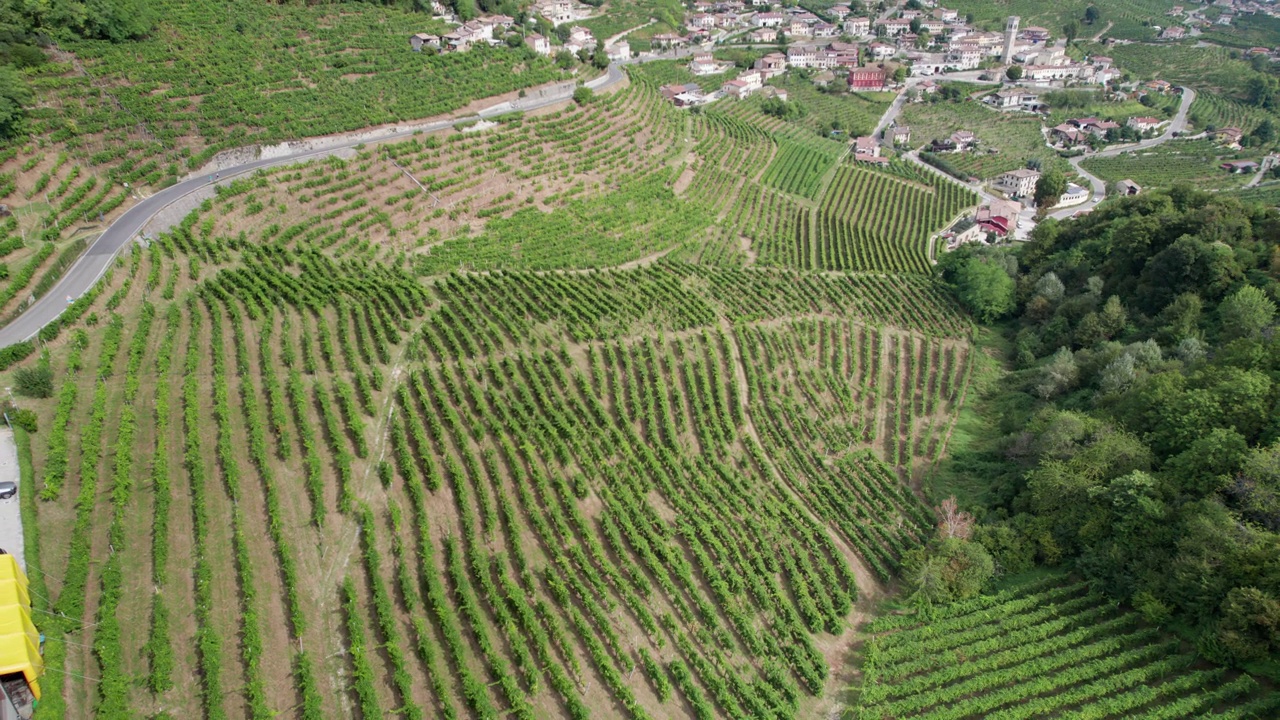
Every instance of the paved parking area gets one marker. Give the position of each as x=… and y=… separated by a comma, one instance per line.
x=10, y=515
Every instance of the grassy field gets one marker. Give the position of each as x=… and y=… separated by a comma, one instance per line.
x=1193, y=161
x=1015, y=138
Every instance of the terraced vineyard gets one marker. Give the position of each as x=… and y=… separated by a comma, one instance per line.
x=1220, y=112
x=798, y=169
x=1193, y=161
x=1043, y=647
x=855, y=230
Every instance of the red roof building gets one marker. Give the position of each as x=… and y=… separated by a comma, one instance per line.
x=867, y=79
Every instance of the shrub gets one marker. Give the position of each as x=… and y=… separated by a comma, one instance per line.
x=34, y=382
x=25, y=419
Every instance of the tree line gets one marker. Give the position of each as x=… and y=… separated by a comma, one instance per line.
x=1136, y=436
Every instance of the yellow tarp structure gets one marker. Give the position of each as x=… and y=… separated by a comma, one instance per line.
x=19, y=639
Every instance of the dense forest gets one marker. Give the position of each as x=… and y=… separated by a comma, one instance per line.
x=1136, y=438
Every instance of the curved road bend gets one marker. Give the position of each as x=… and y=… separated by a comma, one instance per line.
x=97, y=258
x=1177, y=125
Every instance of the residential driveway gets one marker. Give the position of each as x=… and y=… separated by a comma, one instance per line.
x=10, y=515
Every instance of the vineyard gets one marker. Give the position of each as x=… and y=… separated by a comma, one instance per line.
x=1192, y=161
x=554, y=489
x=1045, y=646
x=1006, y=141
x=854, y=228
x=1210, y=109
x=798, y=169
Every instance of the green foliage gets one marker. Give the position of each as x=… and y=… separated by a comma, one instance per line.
x=948, y=570
x=34, y=382
x=982, y=282
x=1049, y=188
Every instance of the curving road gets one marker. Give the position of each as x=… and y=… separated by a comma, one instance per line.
x=1176, y=126
x=98, y=257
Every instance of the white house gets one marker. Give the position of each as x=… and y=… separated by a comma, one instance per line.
x=1143, y=124
x=1074, y=195
x=769, y=20
x=618, y=51
x=965, y=56
x=1018, y=183
x=895, y=27
x=857, y=26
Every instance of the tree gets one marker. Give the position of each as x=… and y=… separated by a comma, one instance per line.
x=985, y=288
x=1245, y=313
x=900, y=73
x=915, y=25
x=1049, y=188
x=1092, y=14
x=952, y=521
x=583, y=95
x=1071, y=30
x=564, y=60
x=14, y=96
x=949, y=569
x=1014, y=73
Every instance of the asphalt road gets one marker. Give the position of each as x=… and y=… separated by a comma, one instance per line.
x=99, y=255
x=1176, y=126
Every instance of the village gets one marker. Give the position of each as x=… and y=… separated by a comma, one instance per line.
x=911, y=50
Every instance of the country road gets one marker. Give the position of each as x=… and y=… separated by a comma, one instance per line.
x=1176, y=126
x=98, y=257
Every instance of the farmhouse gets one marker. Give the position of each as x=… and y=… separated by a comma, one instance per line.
x=963, y=139
x=867, y=79
x=1173, y=33
x=683, y=95
x=1240, y=166
x=1012, y=99
x=772, y=64
x=882, y=51
x=1068, y=134
x=999, y=217
x=538, y=43
x=865, y=146
x=946, y=15
x=1229, y=136
x=421, y=40
x=900, y=135
x=762, y=35
x=966, y=230
x=618, y=51
x=1018, y=183
x=1128, y=187
x=1143, y=124
x=704, y=64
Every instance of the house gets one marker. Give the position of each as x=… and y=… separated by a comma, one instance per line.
x=1043, y=73
x=963, y=139
x=683, y=95
x=557, y=12
x=946, y=15
x=703, y=20
x=1074, y=195
x=770, y=91
x=846, y=54
x=1175, y=11
x=866, y=145
x=881, y=51
x=1101, y=61
x=421, y=40
x=769, y=20
x=799, y=28
x=946, y=145
x=823, y=79
x=538, y=43
x=1128, y=187
x=1012, y=99
x=581, y=36
x=1225, y=19
x=965, y=231
x=704, y=64
x=1259, y=51
x=499, y=21
x=668, y=40
x=1240, y=166
x=762, y=35
x=1018, y=183
x=900, y=135
x=825, y=30
x=736, y=88
x=927, y=87
x=1143, y=124
x=839, y=12
x=1068, y=134
x=1174, y=32
x=1034, y=34
x=753, y=78
x=857, y=26
x=934, y=27
x=1160, y=86
x=965, y=56
x=867, y=79
x=910, y=14
x=1229, y=136
x=619, y=51
x=772, y=64
x=894, y=27
x=999, y=216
